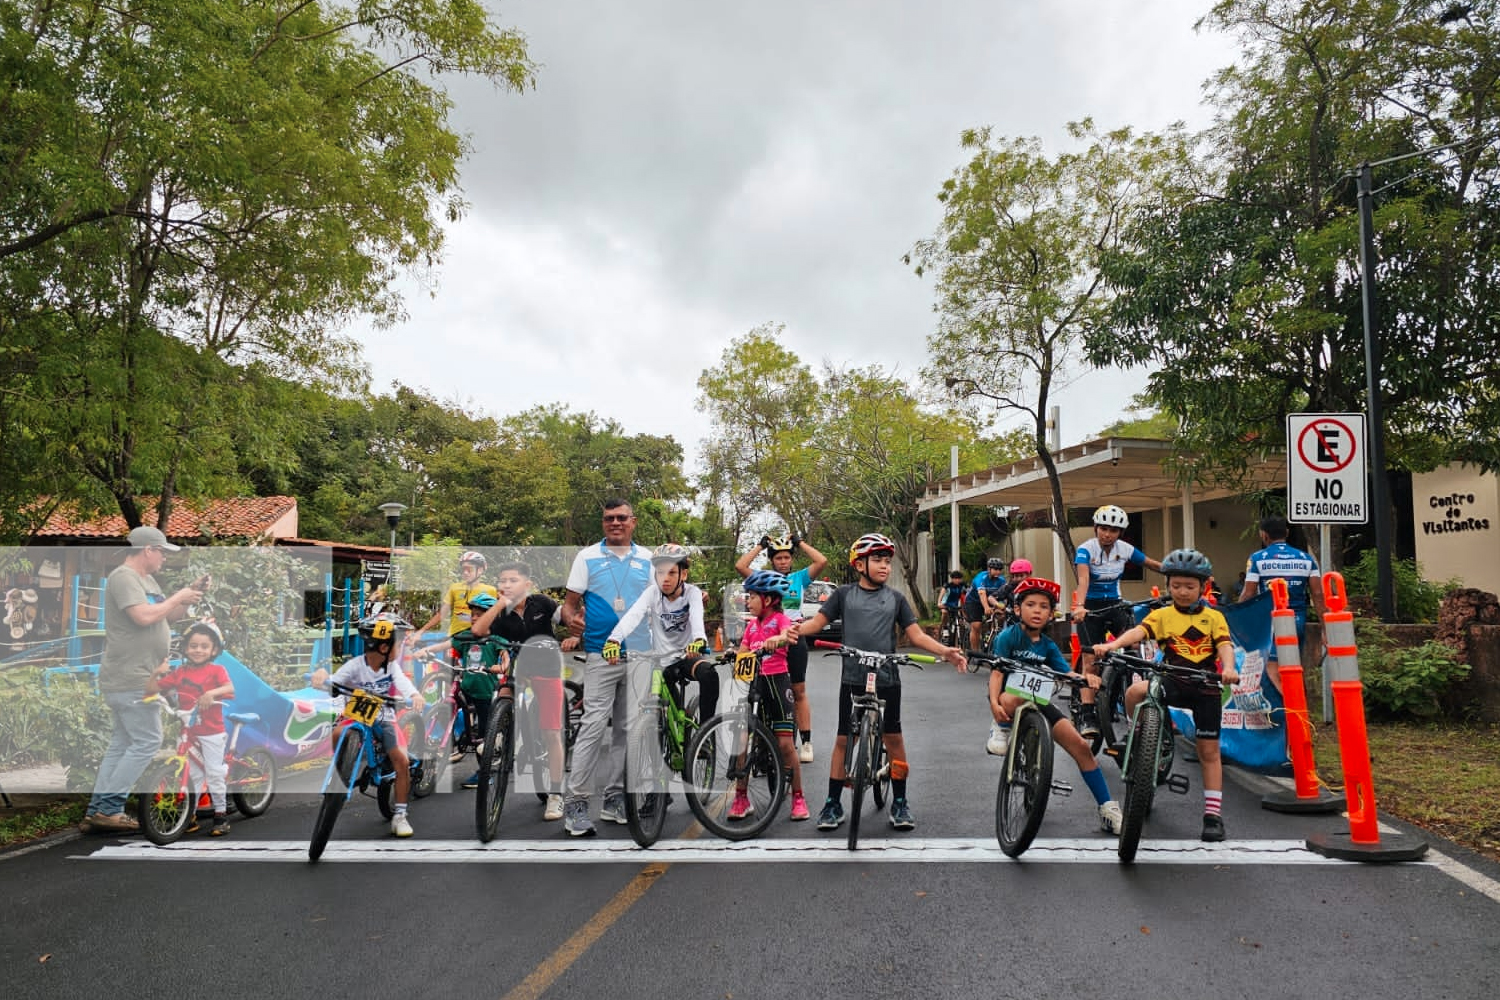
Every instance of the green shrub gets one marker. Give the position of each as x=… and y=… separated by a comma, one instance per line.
x=1417, y=600
x=1405, y=682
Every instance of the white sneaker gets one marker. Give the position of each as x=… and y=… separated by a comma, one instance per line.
x=806, y=753
x=554, y=808
x=999, y=739
x=1110, y=818
x=400, y=826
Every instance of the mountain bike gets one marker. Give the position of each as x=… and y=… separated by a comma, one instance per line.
x=1110, y=699
x=450, y=728
x=865, y=760
x=736, y=751
x=657, y=749
x=1026, y=770
x=955, y=627
x=171, y=801
x=1150, y=747
x=359, y=761
x=538, y=658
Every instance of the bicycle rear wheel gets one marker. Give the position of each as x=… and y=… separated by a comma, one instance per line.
x=343, y=772
x=1140, y=778
x=494, y=769
x=165, y=808
x=861, y=775
x=647, y=777
x=1025, y=784
x=729, y=753
x=252, y=780
x=429, y=740
x=1114, y=723
x=880, y=777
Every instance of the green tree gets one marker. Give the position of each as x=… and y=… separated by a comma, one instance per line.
x=193, y=187
x=1251, y=280
x=1017, y=258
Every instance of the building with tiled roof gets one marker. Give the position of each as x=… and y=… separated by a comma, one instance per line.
x=255, y=519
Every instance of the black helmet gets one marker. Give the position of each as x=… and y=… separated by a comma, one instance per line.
x=995, y=563
x=383, y=627
x=1187, y=562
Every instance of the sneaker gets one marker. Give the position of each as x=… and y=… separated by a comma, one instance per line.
x=456, y=757
x=1088, y=722
x=741, y=807
x=115, y=823
x=1110, y=817
x=576, y=819
x=805, y=754
x=192, y=826
x=400, y=825
x=220, y=827
x=901, y=815
x=472, y=781
x=554, y=808
x=799, y=805
x=999, y=739
x=614, y=808
x=832, y=816
x=1213, y=828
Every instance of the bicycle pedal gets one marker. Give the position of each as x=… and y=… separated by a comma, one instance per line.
x=1062, y=788
x=1178, y=783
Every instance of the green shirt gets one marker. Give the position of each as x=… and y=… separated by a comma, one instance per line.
x=131, y=651
x=481, y=687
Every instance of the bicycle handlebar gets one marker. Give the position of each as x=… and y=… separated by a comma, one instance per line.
x=1176, y=670
x=914, y=659
x=1034, y=666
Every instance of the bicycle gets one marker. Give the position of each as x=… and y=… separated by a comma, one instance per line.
x=736, y=750
x=170, y=803
x=866, y=745
x=359, y=760
x=1110, y=701
x=450, y=723
x=532, y=751
x=1026, y=770
x=657, y=749
x=1150, y=748
x=954, y=628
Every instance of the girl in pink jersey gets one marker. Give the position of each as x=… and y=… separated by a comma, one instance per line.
x=769, y=628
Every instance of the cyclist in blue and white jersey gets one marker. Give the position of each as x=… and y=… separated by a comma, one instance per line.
x=780, y=552
x=984, y=596
x=1280, y=561
x=1099, y=563
x=606, y=579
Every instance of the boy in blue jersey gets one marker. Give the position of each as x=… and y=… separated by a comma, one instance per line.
x=1280, y=561
x=953, y=596
x=606, y=579
x=983, y=597
x=1023, y=639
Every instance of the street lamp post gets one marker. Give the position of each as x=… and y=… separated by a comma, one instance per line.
x=392, y=512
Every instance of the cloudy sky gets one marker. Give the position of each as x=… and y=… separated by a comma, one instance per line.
x=685, y=171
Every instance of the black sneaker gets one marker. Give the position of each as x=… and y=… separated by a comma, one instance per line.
x=1088, y=722
x=832, y=815
x=1213, y=829
x=901, y=815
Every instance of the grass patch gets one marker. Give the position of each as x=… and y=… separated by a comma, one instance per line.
x=1443, y=777
x=29, y=819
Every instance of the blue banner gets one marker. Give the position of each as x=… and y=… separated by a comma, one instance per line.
x=1252, y=733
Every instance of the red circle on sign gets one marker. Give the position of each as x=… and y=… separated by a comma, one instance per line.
x=1311, y=460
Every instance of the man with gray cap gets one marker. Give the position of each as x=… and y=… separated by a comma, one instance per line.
x=136, y=642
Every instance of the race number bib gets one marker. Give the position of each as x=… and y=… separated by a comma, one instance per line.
x=744, y=667
x=1031, y=686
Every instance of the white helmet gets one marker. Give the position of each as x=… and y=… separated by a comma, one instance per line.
x=1110, y=516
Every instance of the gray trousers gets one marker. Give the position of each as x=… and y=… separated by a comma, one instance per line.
x=607, y=690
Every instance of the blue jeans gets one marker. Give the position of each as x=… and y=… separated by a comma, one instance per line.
x=132, y=745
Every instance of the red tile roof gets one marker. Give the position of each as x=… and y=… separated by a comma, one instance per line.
x=235, y=517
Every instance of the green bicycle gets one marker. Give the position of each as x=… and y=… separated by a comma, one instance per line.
x=657, y=750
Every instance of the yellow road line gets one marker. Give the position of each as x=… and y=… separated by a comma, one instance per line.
x=560, y=961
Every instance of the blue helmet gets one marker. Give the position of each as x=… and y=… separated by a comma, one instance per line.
x=767, y=581
x=481, y=602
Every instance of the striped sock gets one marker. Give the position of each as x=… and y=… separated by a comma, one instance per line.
x=1213, y=802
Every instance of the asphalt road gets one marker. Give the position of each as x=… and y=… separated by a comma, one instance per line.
x=938, y=911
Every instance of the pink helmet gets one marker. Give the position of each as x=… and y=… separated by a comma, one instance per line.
x=1020, y=567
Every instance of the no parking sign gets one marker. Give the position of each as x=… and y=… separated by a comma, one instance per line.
x=1325, y=482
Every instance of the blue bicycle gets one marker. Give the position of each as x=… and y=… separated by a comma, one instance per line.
x=359, y=761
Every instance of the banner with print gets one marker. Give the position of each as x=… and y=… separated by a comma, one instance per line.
x=1252, y=733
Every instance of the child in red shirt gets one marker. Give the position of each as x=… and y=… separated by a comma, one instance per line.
x=772, y=629
x=202, y=684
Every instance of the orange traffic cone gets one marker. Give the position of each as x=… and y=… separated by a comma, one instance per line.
x=719, y=639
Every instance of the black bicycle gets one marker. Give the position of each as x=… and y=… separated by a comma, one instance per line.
x=736, y=777
x=865, y=760
x=1150, y=746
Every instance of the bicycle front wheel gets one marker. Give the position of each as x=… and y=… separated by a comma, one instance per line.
x=734, y=755
x=494, y=769
x=861, y=774
x=1025, y=784
x=252, y=781
x=1140, y=777
x=647, y=777
x=429, y=741
x=880, y=780
x=343, y=772
x=1114, y=722
x=165, y=808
